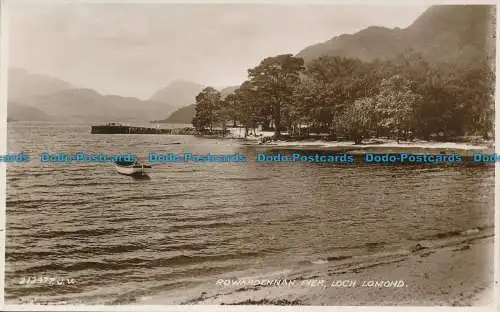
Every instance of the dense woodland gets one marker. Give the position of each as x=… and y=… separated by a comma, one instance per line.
x=403, y=98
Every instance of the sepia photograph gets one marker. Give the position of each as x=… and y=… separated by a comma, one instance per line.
x=278, y=154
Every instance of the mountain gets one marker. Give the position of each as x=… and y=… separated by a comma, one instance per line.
x=183, y=115
x=33, y=96
x=178, y=93
x=19, y=112
x=23, y=85
x=89, y=105
x=451, y=33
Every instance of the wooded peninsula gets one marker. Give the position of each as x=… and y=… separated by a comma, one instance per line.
x=403, y=98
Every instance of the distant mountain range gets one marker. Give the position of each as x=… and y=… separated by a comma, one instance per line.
x=39, y=97
x=443, y=33
x=23, y=86
x=43, y=98
x=89, y=105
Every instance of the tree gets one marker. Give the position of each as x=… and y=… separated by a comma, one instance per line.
x=476, y=106
x=275, y=79
x=208, y=104
x=395, y=106
x=229, y=106
x=248, y=104
x=407, y=97
x=357, y=119
x=338, y=81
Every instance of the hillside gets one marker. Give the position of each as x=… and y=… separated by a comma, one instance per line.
x=89, y=105
x=448, y=33
x=19, y=112
x=183, y=115
x=23, y=85
x=35, y=97
x=178, y=93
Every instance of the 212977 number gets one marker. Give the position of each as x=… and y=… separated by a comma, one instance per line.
x=31, y=280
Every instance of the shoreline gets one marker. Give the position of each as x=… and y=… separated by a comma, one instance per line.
x=455, y=271
x=387, y=144
x=432, y=148
x=374, y=143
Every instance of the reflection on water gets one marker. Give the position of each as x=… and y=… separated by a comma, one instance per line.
x=186, y=223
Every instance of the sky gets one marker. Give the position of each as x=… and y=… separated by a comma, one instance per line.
x=134, y=49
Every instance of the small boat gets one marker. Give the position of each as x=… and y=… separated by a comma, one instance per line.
x=132, y=168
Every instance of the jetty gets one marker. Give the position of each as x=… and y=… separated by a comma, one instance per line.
x=114, y=128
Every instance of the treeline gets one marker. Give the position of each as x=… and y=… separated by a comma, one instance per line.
x=404, y=98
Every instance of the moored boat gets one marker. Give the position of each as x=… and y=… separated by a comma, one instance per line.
x=132, y=168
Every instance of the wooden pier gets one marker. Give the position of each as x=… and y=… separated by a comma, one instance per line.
x=122, y=129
